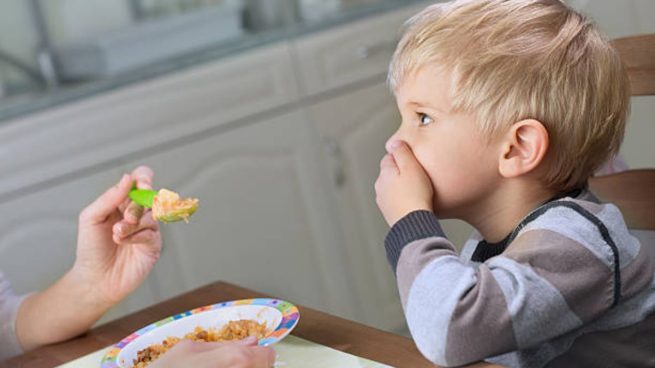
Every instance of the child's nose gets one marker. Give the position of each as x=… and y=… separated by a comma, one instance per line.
x=387, y=145
x=394, y=138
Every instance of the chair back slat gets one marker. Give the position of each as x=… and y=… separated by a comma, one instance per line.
x=633, y=191
x=638, y=54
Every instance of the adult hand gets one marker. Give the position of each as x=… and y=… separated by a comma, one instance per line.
x=118, y=242
x=117, y=246
x=403, y=185
x=240, y=354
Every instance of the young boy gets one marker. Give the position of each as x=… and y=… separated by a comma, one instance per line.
x=507, y=109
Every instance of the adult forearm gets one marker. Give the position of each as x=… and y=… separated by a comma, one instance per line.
x=66, y=309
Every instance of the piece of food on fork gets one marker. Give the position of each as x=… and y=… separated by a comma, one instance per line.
x=166, y=205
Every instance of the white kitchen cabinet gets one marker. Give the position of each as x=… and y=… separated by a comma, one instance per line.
x=354, y=128
x=104, y=129
x=263, y=220
x=38, y=231
x=353, y=52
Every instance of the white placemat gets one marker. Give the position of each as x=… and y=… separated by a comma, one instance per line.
x=292, y=352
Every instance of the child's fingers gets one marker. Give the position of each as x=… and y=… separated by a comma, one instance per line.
x=388, y=163
x=107, y=203
x=403, y=156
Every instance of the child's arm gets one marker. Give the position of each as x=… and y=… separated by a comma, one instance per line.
x=548, y=282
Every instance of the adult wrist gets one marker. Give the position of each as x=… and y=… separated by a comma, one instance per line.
x=84, y=287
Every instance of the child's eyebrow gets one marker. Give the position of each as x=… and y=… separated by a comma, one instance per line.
x=426, y=104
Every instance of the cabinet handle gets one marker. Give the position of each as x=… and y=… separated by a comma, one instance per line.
x=337, y=162
x=366, y=52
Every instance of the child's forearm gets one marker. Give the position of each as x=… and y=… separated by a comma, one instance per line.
x=66, y=309
x=456, y=313
x=431, y=280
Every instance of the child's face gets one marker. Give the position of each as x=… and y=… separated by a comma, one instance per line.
x=461, y=163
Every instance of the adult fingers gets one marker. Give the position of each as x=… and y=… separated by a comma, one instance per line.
x=133, y=213
x=250, y=341
x=147, y=236
x=243, y=357
x=125, y=228
x=107, y=204
x=142, y=176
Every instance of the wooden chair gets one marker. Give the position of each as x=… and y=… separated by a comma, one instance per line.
x=638, y=54
x=633, y=191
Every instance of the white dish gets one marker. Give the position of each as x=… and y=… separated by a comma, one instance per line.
x=280, y=318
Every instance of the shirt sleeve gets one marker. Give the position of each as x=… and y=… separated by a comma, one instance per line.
x=9, y=304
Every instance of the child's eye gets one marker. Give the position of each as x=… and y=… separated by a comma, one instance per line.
x=424, y=119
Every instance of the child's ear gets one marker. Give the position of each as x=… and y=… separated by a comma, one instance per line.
x=523, y=149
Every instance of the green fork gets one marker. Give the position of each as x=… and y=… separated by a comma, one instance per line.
x=143, y=197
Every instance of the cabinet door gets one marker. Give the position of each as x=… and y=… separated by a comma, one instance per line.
x=262, y=222
x=353, y=129
x=106, y=127
x=353, y=52
x=38, y=236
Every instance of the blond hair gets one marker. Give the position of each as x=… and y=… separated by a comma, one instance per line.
x=526, y=59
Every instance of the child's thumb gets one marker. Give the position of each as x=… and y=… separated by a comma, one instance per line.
x=108, y=202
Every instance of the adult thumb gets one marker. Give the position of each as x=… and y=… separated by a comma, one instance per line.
x=108, y=202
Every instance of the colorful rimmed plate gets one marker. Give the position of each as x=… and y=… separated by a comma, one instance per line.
x=279, y=315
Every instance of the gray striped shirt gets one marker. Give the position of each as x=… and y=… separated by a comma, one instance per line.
x=572, y=279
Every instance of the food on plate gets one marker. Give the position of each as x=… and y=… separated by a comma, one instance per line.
x=233, y=330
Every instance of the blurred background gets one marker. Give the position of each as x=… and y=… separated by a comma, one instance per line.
x=272, y=112
x=50, y=44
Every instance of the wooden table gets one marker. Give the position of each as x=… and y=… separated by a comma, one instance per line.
x=322, y=328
